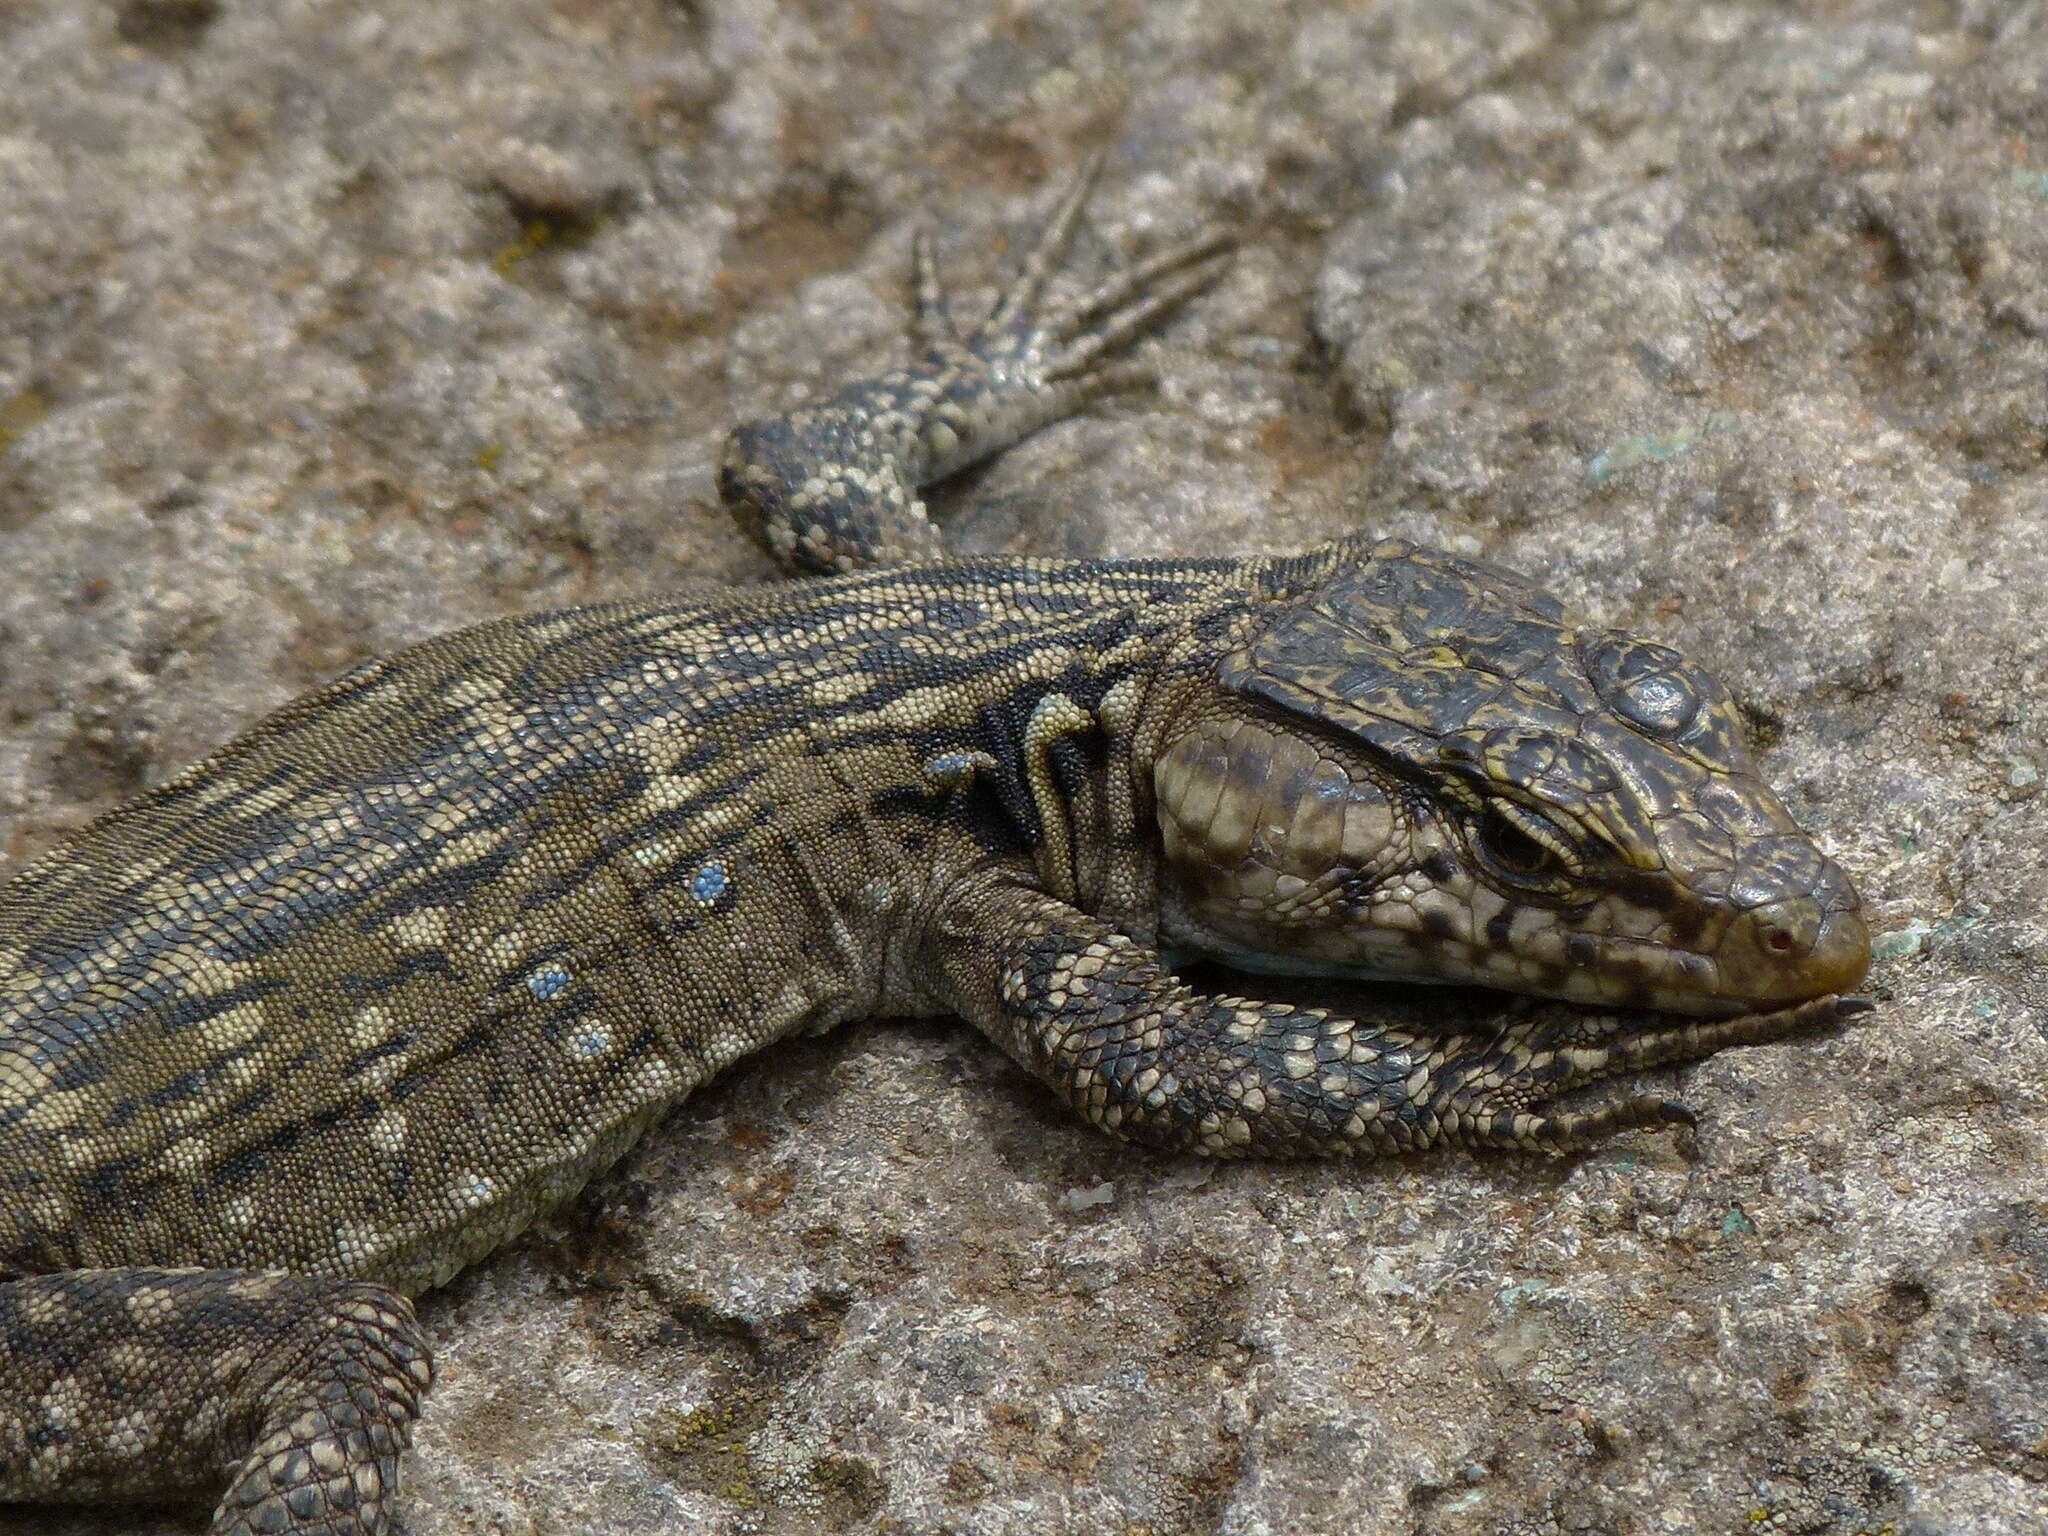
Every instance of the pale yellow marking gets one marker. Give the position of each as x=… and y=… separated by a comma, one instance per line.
x=469, y=848
x=188, y=1156
x=470, y=688
x=271, y=797
x=693, y=636
x=372, y=861
x=559, y=626
x=198, y=975
x=717, y=818
x=24, y=1081
x=507, y=948
x=497, y=737
x=1119, y=706
x=916, y=707
x=358, y=1245
x=445, y=819
x=425, y=928
x=212, y=793
x=50, y=1210
x=831, y=692
x=658, y=1078
x=370, y=1026
x=233, y=1027
x=66, y=1403
x=667, y=793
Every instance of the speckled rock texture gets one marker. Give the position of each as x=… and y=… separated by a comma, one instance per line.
x=325, y=326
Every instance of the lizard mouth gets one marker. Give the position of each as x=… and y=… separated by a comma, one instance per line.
x=1773, y=957
x=1605, y=970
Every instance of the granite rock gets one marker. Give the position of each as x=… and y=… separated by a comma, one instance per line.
x=326, y=327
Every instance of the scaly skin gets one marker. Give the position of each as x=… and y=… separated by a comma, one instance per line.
x=342, y=1008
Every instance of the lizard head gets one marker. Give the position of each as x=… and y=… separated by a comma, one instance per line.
x=1425, y=768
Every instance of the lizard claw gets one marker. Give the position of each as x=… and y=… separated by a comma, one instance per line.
x=1016, y=303
x=1067, y=355
x=931, y=315
x=1124, y=308
x=1558, y=1130
x=1535, y=1060
x=1676, y=1112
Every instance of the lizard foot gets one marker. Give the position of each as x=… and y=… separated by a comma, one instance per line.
x=1500, y=1095
x=834, y=486
x=1034, y=363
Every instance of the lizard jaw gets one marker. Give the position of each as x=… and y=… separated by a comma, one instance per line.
x=1282, y=854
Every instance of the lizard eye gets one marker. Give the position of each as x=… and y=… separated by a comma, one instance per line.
x=1521, y=846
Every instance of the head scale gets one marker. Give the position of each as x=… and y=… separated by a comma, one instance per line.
x=1425, y=767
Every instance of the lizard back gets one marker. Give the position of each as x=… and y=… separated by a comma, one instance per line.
x=372, y=986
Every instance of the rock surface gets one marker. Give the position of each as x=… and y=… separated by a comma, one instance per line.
x=324, y=327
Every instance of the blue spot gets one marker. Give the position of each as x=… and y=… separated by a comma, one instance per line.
x=710, y=882
x=548, y=981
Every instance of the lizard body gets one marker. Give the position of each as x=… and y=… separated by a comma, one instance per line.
x=340, y=1009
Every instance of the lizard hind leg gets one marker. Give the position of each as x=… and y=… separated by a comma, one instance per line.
x=124, y=1384
x=834, y=486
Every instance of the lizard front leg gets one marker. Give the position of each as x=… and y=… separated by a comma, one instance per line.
x=834, y=486
x=1098, y=1017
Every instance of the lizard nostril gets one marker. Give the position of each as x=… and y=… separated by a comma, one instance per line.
x=1802, y=951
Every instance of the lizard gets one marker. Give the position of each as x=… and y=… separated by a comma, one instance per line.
x=342, y=1008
